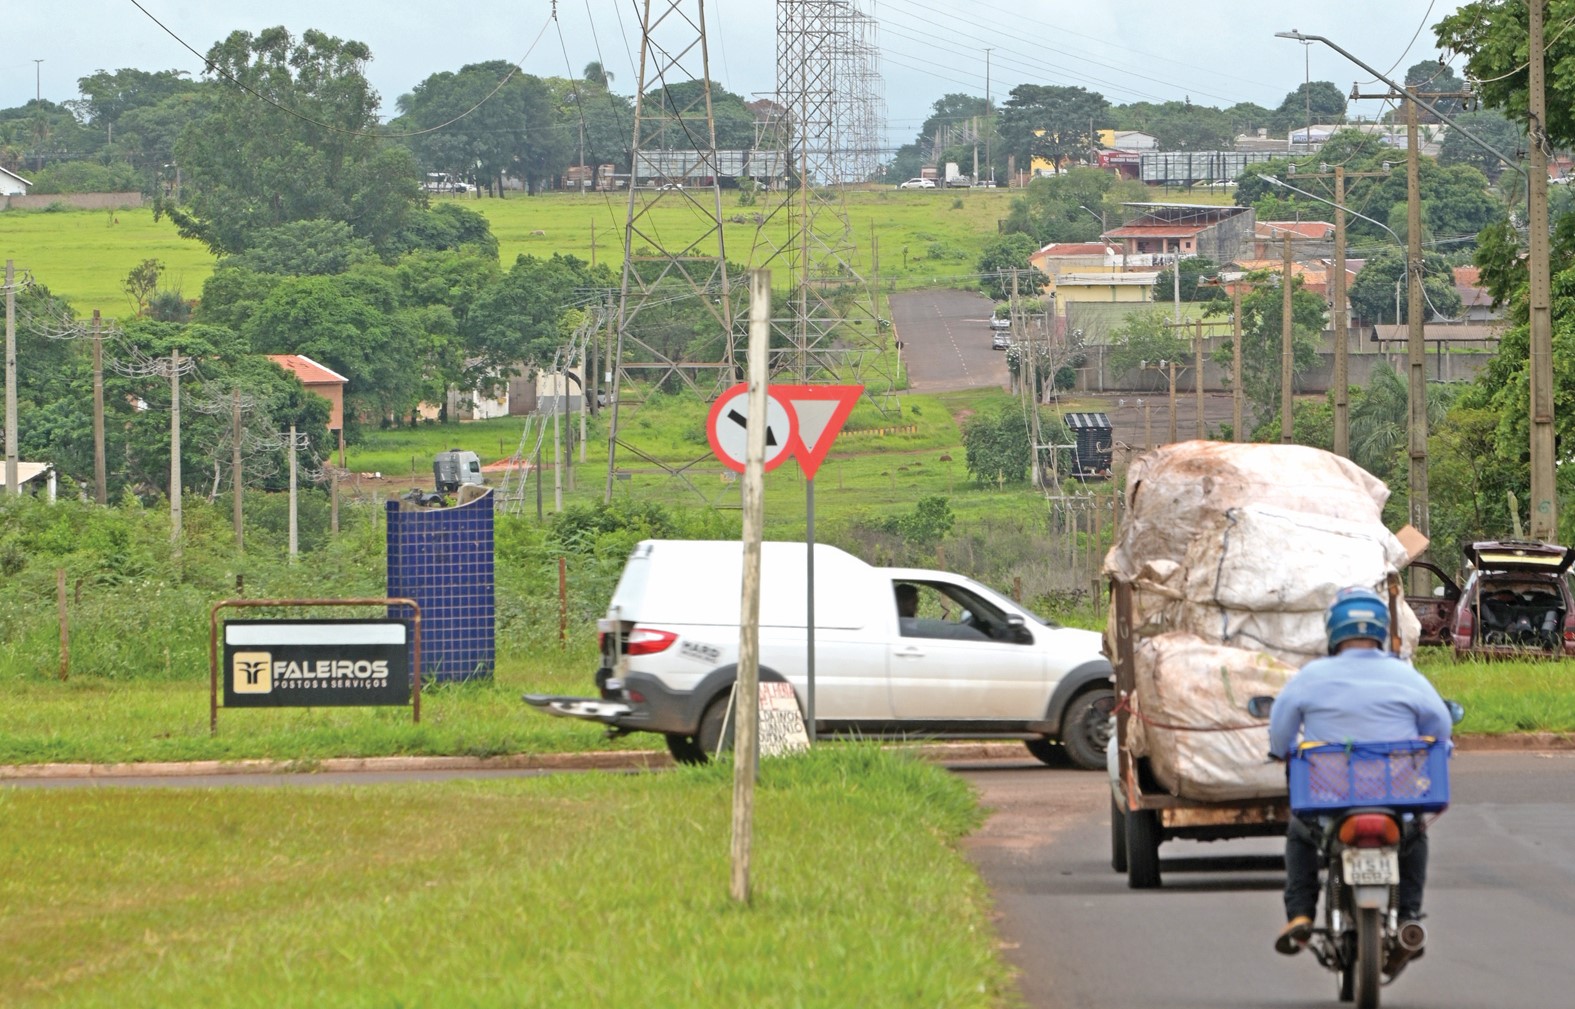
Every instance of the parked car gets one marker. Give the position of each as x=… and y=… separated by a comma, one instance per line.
x=1000, y=322
x=953, y=659
x=1000, y=340
x=917, y=184
x=1516, y=599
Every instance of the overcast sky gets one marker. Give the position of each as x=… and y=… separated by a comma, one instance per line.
x=1217, y=52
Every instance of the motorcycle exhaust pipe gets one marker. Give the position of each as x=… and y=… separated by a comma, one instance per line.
x=1412, y=937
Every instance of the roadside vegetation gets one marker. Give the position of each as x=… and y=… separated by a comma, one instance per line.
x=549, y=892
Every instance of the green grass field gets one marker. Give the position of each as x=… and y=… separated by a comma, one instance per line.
x=922, y=237
x=571, y=890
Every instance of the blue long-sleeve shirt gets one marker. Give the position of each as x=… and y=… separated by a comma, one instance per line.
x=1361, y=695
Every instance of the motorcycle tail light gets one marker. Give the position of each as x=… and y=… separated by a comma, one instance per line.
x=1369, y=830
x=648, y=641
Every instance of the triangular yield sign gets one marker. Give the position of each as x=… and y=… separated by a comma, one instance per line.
x=820, y=412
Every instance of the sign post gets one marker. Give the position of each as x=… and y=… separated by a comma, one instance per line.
x=801, y=423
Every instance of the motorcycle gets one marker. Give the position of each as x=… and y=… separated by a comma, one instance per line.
x=1362, y=939
x=1361, y=802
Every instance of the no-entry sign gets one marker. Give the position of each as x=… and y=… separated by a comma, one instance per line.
x=801, y=423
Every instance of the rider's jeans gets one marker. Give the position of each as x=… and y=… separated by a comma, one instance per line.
x=1301, y=867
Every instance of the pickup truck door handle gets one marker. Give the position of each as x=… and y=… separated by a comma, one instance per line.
x=910, y=652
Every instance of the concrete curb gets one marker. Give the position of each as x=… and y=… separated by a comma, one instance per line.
x=606, y=760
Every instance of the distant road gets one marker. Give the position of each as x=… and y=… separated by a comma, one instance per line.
x=946, y=340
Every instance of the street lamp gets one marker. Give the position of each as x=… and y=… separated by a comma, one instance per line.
x=38, y=89
x=1286, y=185
x=1300, y=37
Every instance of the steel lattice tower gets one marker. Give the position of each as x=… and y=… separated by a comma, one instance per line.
x=828, y=114
x=674, y=145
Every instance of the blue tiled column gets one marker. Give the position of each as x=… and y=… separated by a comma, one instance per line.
x=442, y=558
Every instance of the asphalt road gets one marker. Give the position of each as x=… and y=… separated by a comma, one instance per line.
x=945, y=337
x=1500, y=899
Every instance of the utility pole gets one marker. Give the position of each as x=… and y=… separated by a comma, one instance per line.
x=1416, y=350
x=12, y=487
x=1197, y=379
x=1287, y=352
x=1237, y=398
x=175, y=488
x=100, y=467
x=1339, y=310
x=987, y=111
x=1544, y=497
x=294, y=540
x=235, y=469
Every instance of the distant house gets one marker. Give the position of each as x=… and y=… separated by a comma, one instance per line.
x=12, y=184
x=1128, y=140
x=322, y=380
x=1268, y=238
x=1158, y=233
x=1476, y=304
x=1069, y=288
x=1084, y=257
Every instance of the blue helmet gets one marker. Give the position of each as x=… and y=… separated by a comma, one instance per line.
x=1356, y=612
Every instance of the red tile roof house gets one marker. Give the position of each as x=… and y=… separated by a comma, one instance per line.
x=320, y=379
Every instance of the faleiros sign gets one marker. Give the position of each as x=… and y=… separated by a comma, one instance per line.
x=312, y=663
x=316, y=663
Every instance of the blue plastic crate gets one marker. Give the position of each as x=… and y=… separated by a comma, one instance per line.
x=1411, y=775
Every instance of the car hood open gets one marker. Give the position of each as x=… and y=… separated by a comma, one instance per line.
x=1520, y=555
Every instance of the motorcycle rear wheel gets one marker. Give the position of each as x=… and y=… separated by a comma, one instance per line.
x=1369, y=956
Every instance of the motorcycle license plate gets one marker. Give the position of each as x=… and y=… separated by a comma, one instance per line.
x=1371, y=866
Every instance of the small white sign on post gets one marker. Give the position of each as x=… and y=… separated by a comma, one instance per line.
x=782, y=729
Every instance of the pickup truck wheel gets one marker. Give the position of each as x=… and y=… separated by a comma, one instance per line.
x=1085, y=728
x=1142, y=849
x=1047, y=751
x=684, y=748
x=1118, y=836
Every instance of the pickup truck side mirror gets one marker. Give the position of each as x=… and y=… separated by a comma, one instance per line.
x=1258, y=707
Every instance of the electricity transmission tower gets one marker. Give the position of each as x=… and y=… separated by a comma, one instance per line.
x=821, y=132
x=674, y=162
x=830, y=118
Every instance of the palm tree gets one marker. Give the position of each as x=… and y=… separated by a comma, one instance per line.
x=595, y=73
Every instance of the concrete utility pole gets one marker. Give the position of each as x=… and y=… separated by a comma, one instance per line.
x=236, y=516
x=1339, y=309
x=294, y=540
x=1237, y=397
x=1197, y=378
x=1287, y=351
x=175, y=478
x=12, y=487
x=1544, y=492
x=100, y=467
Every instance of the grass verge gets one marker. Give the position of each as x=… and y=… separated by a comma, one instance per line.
x=559, y=891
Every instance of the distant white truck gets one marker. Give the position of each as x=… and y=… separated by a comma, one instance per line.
x=970, y=664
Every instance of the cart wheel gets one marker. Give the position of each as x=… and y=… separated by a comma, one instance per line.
x=1118, y=836
x=1142, y=829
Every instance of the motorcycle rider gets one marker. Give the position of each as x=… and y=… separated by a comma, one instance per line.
x=1360, y=693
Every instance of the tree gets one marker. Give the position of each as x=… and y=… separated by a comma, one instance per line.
x=1492, y=37
x=597, y=74
x=996, y=446
x=518, y=323
x=483, y=122
x=1372, y=293
x=1436, y=75
x=1192, y=270
x=1319, y=99
x=1495, y=130
x=1051, y=123
x=1147, y=337
x=108, y=96
x=1262, y=313
x=1178, y=126
x=1002, y=257
x=1073, y=206
x=310, y=152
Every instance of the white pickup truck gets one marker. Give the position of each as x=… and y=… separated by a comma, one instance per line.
x=969, y=664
